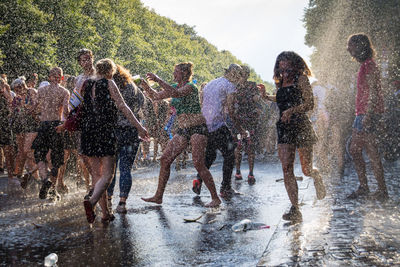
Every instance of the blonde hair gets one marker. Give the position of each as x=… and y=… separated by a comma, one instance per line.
x=187, y=69
x=105, y=66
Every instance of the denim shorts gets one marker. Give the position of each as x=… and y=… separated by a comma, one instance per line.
x=374, y=125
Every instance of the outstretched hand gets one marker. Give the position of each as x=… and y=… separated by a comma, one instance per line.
x=152, y=77
x=143, y=134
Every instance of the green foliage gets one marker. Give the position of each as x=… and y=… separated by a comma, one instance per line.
x=38, y=34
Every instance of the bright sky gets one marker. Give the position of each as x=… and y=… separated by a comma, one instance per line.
x=255, y=31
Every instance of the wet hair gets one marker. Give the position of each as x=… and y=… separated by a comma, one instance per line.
x=297, y=62
x=364, y=49
x=84, y=51
x=105, y=66
x=122, y=76
x=56, y=69
x=187, y=69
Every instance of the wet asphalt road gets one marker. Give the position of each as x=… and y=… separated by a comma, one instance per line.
x=156, y=235
x=148, y=234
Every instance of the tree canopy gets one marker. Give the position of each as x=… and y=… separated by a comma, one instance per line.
x=38, y=34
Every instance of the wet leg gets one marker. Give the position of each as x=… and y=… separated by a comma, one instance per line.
x=175, y=147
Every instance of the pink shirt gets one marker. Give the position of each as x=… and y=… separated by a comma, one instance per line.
x=367, y=68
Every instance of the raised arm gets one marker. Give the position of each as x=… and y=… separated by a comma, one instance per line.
x=121, y=105
x=153, y=94
x=172, y=92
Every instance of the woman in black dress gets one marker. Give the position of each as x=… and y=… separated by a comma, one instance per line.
x=294, y=98
x=101, y=101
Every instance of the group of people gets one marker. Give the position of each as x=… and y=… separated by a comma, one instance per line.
x=105, y=103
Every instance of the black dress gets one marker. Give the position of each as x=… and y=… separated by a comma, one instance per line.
x=298, y=131
x=99, y=120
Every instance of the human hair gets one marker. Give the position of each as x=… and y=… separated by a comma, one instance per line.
x=122, y=76
x=18, y=82
x=363, y=46
x=70, y=83
x=297, y=62
x=105, y=66
x=4, y=76
x=56, y=69
x=245, y=72
x=187, y=69
x=83, y=51
x=32, y=77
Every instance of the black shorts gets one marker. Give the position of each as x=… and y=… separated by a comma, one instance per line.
x=47, y=139
x=71, y=140
x=300, y=134
x=189, y=131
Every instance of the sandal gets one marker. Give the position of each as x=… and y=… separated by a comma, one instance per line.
x=90, y=215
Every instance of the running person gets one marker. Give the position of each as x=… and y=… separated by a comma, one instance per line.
x=369, y=110
x=127, y=137
x=192, y=128
x=101, y=102
x=294, y=98
x=52, y=104
x=247, y=109
x=215, y=95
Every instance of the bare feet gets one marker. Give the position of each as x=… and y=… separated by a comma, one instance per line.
x=214, y=203
x=154, y=199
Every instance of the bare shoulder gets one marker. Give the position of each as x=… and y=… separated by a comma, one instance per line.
x=63, y=90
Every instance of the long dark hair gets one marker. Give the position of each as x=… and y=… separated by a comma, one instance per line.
x=364, y=49
x=298, y=64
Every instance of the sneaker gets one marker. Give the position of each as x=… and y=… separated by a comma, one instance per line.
x=53, y=195
x=197, y=186
x=294, y=214
x=228, y=193
x=361, y=191
x=380, y=195
x=121, y=208
x=44, y=189
x=89, y=194
x=26, y=179
x=319, y=187
x=251, y=180
x=238, y=176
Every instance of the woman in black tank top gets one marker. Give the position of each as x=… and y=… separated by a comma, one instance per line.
x=294, y=98
x=101, y=100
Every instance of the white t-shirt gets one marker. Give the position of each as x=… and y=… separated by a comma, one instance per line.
x=214, y=99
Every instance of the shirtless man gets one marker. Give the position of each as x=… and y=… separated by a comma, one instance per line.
x=52, y=103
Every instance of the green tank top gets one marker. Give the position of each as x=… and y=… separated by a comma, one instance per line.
x=189, y=104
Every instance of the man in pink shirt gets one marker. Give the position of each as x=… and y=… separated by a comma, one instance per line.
x=369, y=109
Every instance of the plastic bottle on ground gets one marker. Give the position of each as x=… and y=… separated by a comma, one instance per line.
x=51, y=259
x=246, y=224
